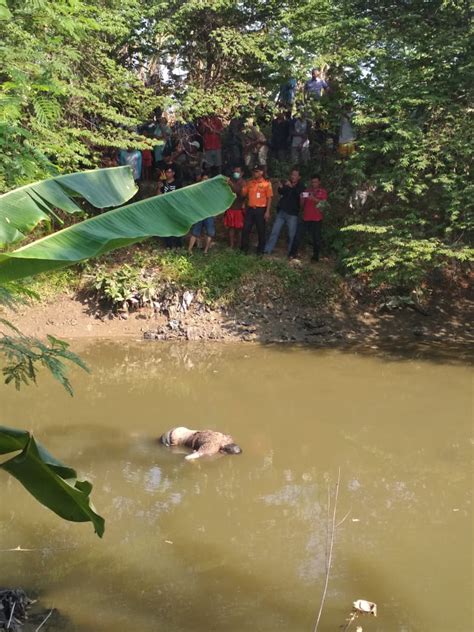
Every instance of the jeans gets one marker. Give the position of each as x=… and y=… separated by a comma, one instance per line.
x=254, y=215
x=315, y=229
x=281, y=219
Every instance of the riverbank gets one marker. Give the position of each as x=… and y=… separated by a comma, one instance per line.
x=145, y=292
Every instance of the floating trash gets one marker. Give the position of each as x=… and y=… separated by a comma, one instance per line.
x=365, y=607
x=14, y=606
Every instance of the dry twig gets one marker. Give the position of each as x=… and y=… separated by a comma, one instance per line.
x=330, y=549
x=44, y=620
x=11, y=615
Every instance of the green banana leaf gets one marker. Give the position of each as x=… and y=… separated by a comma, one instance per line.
x=5, y=13
x=52, y=483
x=24, y=208
x=171, y=214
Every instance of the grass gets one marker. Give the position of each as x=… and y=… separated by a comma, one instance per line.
x=50, y=284
x=223, y=276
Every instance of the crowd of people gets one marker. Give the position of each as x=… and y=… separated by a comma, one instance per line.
x=186, y=152
x=299, y=207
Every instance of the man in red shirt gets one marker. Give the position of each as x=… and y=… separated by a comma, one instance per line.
x=312, y=217
x=211, y=129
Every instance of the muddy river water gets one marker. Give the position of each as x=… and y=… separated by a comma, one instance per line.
x=238, y=543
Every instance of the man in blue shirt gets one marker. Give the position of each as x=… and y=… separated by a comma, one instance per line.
x=314, y=87
x=131, y=158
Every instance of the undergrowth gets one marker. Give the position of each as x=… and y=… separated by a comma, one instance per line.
x=138, y=275
x=221, y=277
x=48, y=285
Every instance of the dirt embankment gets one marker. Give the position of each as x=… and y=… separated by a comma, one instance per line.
x=260, y=312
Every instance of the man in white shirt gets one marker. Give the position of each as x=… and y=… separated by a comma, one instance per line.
x=314, y=87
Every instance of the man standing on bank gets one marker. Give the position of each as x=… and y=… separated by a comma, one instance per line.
x=287, y=211
x=313, y=88
x=312, y=217
x=259, y=191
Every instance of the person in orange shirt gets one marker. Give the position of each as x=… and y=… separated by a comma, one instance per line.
x=259, y=192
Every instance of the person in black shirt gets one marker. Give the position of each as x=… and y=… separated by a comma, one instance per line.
x=288, y=209
x=169, y=185
x=280, y=139
x=162, y=165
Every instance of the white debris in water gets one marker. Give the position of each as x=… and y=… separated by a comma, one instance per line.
x=365, y=607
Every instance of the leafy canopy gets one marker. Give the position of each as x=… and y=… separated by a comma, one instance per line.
x=402, y=68
x=67, y=86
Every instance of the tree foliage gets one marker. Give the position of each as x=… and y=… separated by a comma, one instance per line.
x=77, y=76
x=64, y=91
x=22, y=355
x=208, y=57
x=404, y=69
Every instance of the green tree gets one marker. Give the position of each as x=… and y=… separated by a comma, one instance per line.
x=66, y=89
x=218, y=56
x=404, y=68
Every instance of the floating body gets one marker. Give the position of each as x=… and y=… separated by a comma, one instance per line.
x=202, y=442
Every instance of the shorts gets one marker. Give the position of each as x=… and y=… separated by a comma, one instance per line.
x=213, y=157
x=206, y=224
x=234, y=218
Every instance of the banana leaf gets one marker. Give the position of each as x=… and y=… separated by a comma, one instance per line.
x=52, y=483
x=22, y=209
x=5, y=13
x=171, y=214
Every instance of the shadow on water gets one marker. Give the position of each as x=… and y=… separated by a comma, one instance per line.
x=213, y=592
x=434, y=352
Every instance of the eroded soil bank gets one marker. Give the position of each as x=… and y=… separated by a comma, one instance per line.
x=260, y=308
